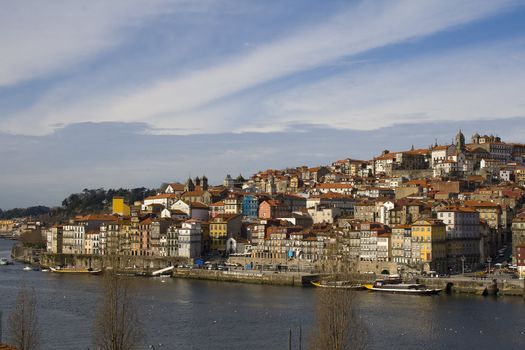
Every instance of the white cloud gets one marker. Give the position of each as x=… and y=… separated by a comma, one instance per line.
x=39, y=38
x=469, y=84
x=183, y=101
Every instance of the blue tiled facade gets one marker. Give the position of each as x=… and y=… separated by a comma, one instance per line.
x=250, y=206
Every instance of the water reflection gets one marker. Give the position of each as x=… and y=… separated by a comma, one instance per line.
x=191, y=314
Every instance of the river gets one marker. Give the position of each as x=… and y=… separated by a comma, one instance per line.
x=189, y=314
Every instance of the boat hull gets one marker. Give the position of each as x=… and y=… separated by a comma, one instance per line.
x=385, y=289
x=335, y=286
x=76, y=271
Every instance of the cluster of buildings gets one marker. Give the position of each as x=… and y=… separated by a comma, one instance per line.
x=442, y=208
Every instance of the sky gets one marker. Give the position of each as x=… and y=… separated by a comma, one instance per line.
x=135, y=93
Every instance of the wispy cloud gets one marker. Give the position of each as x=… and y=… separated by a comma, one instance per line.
x=176, y=102
x=39, y=38
x=466, y=84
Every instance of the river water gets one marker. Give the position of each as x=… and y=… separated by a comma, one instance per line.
x=189, y=314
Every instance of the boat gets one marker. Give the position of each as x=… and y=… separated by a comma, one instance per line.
x=337, y=284
x=401, y=288
x=4, y=261
x=75, y=270
x=28, y=268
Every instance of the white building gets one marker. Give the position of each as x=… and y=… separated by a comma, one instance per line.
x=383, y=247
x=195, y=210
x=322, y=214
x=73, y=238
x=462, y=236
x=384, y=211
x=164, y=199
x=441, y=153
x=368, y=245
x=190, y=239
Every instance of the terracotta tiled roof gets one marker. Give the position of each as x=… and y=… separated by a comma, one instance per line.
x=386, y=156
x=162, y=196
x=474, y=203
x=147, y=221
x=333, y=195
x=177, y=186
x=403, y=226
x=420, y=151
x=334, y=185
x=199, y=205
x=7, y=347
x=193, y=194
x=457, y=209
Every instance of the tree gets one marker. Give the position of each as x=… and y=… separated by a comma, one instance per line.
x=337, y=325
x=117, y=324
x=33, y=238
x=23, y=328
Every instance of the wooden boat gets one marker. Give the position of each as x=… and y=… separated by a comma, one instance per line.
x=337, y=285
x=402, y=288
x=4, y=261
x=75, y=271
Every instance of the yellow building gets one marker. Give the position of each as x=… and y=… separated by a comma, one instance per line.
x=428, y=244
x=488, y=211
x=120, y=208
x=6, y=225
x=223, y=227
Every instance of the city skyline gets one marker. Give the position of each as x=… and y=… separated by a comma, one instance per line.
x=222, y=87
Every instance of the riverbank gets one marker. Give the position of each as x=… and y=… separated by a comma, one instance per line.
x=146, y=265
x=500, y=287
x=27, y=255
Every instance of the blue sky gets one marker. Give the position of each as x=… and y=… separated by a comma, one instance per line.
x=130, y=93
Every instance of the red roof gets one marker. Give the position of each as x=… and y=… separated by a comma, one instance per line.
x=199, y=205
x=474, y=203
x=163, y=196
x=333, y=185
x=177, y=186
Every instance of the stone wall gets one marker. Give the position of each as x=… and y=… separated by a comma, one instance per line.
x=246, y=276
x=140, y=263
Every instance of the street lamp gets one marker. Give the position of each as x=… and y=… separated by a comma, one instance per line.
x=463, y=265
x=489, y=260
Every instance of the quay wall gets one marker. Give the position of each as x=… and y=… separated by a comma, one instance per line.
x=254, y=277
x=144, y=264
x=134, y=263
x=477, y=286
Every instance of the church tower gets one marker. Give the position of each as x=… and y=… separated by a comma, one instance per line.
x=460, y=141
x=204, y=185
x=189, y=186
